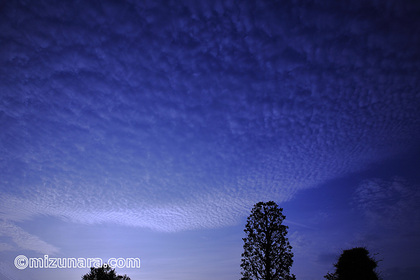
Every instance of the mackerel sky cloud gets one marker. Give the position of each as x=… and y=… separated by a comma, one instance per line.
x=177, y=117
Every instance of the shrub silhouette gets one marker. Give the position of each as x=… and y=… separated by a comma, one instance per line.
x=354, y=264
x=104, y=272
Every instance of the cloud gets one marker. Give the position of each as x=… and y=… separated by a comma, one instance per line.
x=25, y=240
x=7, y=272
x=206, y=211
x=6, y=247
x=390, y=203
x=182, y=117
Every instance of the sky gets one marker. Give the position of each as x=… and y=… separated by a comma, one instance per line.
x=149, y=129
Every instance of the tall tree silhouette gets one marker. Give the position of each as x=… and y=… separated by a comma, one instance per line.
x=104, y=272
x=267, y=252
x=354, y=264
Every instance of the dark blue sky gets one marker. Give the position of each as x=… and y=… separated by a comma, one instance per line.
x=155, y=126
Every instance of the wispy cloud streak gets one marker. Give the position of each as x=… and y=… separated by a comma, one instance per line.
x=24, y=240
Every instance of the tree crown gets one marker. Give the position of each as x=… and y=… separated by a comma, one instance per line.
x=267, y=251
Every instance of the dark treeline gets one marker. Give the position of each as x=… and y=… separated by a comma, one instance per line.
x=268, y=254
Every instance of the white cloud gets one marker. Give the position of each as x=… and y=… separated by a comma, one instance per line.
x=202, y=211
x=25, y=240
x=6, y=247
x=8, y=272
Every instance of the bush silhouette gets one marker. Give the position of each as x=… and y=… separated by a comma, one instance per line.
x=104, y=272
x=354, y=264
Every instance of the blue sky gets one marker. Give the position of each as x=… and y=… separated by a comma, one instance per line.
x=149, y=129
